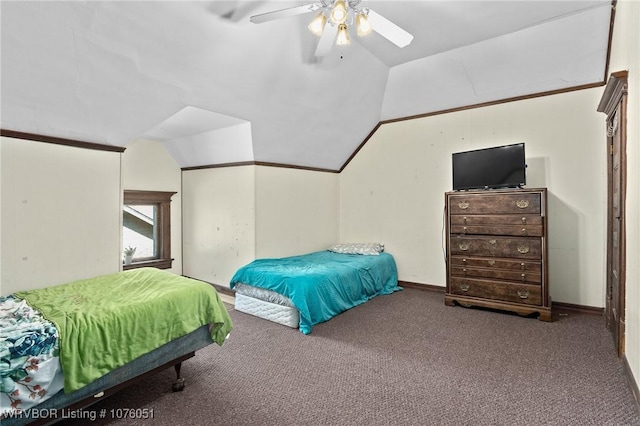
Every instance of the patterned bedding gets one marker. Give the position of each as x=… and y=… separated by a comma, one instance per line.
x=30, y=370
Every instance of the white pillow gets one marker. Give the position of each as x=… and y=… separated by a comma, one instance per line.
x=371, y=249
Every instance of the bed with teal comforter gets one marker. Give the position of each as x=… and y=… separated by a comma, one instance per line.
x=322, y=284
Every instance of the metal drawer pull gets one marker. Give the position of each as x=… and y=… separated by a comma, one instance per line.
x=464, y=220
x=491, y=262
x=523, y=249
x=464, y=229
x=523, y=294
x=492, y=242
x=464, y=271
x=524, y=231
x=523, y=276
x=524, y=220
x=463, y=246
x=464, y=287
x=523, y=204
x=463, y=205
x=522, y=266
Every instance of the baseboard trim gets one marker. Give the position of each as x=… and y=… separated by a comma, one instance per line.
x=219, y=288
x=569, y=307
x=224, y=290
x=556, y=306
x=632, y=381
x=426, y=287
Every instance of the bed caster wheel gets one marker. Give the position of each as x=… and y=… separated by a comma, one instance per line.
x=178, y=385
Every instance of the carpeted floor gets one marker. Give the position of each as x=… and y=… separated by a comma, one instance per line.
x=402, y=359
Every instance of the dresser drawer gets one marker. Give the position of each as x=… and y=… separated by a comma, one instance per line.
x=496, y=290
x=515, y=247
x=501, y=220
x=516, y=225
x=492, y=262
x=529, y=277
x=511, y=203
x=524, y=230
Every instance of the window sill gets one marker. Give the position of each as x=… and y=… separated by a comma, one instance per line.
x=155, y=263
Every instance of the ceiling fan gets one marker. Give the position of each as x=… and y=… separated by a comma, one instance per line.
x=333, y=19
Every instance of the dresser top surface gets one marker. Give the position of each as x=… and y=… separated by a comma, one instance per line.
x=497, y=191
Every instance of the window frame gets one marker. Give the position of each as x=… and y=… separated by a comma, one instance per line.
x=161, y=199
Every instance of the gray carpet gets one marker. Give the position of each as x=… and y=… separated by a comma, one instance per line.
x=402, y=359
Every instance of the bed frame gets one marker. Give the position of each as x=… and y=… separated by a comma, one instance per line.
x=168, y=355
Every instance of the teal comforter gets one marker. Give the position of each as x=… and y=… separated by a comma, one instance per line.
x=322, y=284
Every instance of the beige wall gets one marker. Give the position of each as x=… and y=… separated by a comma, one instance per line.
x=393, y=190
x=147, y=166
x=296, y=211
x=234, y=215
x=625, y=55
x=218, y=222
x=60, y=214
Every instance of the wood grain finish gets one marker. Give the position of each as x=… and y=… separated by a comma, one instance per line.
x=498, y=290
x=516, y=225
x=504, y=274
x=488, y=203
x=496, y=246
x=496, y=250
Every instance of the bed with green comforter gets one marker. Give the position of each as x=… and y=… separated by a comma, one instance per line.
x=104, y=324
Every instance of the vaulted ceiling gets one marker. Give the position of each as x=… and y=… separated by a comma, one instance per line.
x=215, y=88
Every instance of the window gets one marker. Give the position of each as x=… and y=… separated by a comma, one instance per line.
x=146, y=227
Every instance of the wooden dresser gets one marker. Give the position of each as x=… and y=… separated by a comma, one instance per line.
x=497, y=250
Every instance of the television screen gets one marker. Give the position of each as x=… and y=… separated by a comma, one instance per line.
x=489, y=168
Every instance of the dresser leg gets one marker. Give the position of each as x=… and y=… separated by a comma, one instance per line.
x=545, y=315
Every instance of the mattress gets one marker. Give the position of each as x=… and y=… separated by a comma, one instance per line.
x=263, y=294
x=281, y=314
x=321, y=284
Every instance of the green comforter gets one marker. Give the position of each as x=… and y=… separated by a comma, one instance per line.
x=107, y=321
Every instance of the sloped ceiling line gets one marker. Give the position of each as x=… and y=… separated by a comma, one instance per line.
x=110, y=71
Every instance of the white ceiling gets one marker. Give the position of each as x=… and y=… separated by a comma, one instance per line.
x=216, y=88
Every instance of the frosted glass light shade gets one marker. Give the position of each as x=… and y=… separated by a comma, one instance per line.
x=343, y=35
x=317, y=25
x=339, y=12
x=363, y=24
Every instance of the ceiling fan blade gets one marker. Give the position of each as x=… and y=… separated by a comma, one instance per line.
x=326, y=40
x=285, y=13
x=388, y=29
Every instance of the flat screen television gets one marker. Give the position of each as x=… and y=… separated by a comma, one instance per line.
x=489, y=168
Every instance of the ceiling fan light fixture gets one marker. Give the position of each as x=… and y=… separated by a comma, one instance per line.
x=317, y=25
x=343, y=35
x=363, y=24
x=339, y=12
